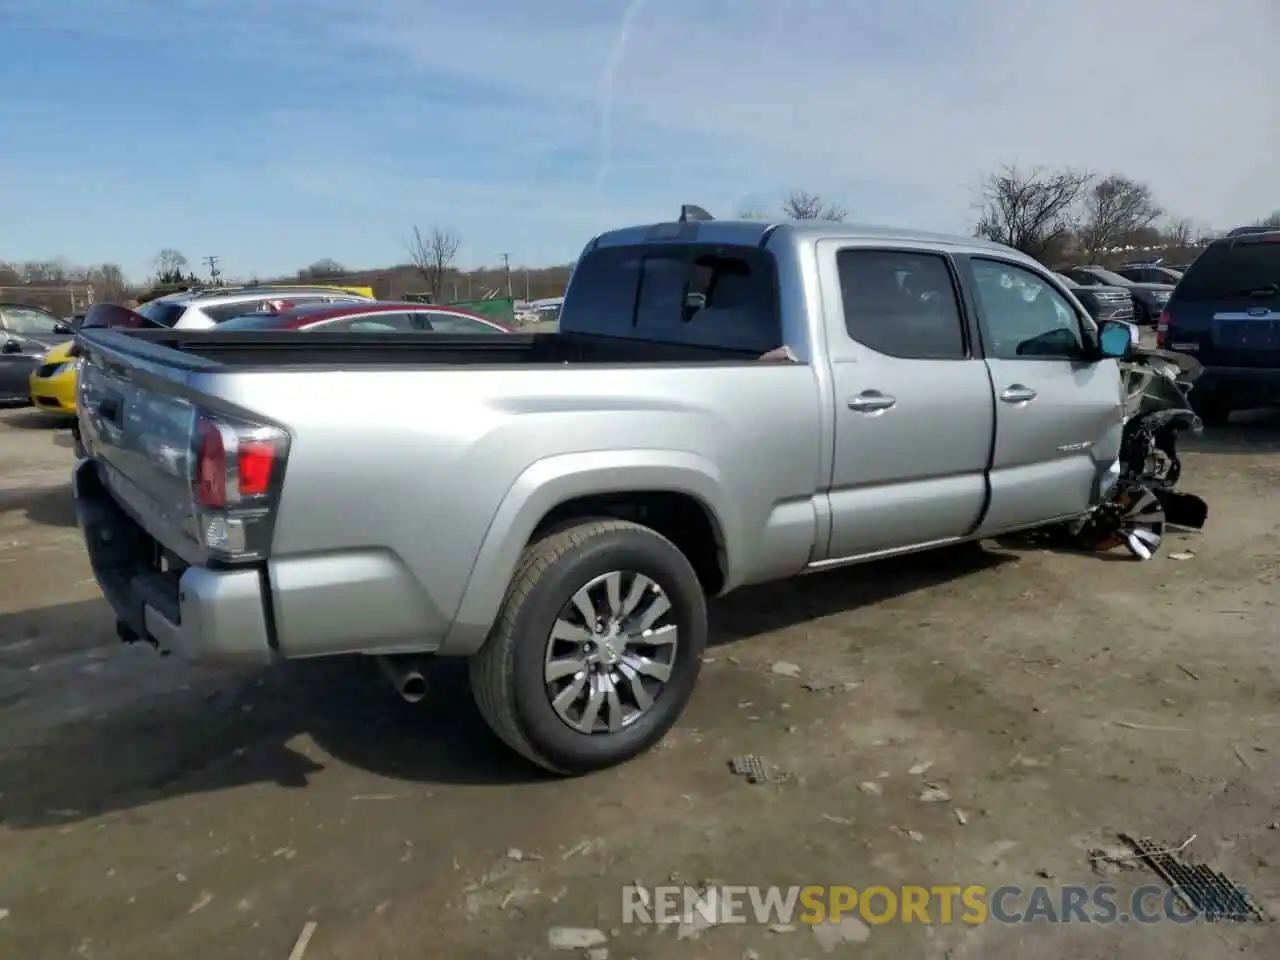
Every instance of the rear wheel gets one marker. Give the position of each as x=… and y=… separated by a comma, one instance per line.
x=597, y=647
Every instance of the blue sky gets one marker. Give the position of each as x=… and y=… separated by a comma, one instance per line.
x=277, y=133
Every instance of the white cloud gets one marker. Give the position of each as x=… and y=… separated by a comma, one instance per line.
x=894, y=108
x=913, y=93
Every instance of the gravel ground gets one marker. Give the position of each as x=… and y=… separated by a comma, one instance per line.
x=149, y=809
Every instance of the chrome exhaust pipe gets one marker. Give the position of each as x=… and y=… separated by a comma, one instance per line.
x=403, y=672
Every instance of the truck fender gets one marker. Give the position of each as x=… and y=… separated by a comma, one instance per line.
x=551, y=481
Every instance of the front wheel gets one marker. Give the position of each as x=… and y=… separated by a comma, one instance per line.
x=1135, y=519
x=596, y=649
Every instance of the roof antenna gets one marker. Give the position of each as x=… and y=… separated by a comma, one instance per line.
x=690, y=212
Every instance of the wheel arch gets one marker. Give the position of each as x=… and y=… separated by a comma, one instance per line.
x=677, y=493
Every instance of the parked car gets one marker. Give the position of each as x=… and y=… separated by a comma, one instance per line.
x=1226, y=313
x=1150, y=273
x=725, y=403
x=52, y=384
x=27, y=334
x=1103, y=303
x=379, y=317
x=205, y=309
x=1148, y=298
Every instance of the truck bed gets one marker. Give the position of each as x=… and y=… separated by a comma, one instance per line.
x=259, y=349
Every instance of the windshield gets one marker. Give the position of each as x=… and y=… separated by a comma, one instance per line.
x=29, y=322
x=1234, y=271
x=1106, y=276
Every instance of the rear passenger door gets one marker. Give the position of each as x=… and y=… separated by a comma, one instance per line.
x=913, y=420
x=1058, y=415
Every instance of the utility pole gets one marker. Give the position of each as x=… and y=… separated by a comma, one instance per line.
x=526, y=284
x=212, y=261
x=506, y=264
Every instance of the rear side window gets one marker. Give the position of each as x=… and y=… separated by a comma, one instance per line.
x=693, y=294
x=251, y=321
x=382, y=322
x=453, y=323
x=163, y=313
x=1249, y=270
x=901, y=303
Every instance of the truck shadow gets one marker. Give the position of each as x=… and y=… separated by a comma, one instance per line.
x=1248, y=432
x=26, y=417
x=191, y=732
x=47, y=506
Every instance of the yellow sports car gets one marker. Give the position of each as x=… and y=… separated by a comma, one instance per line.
x=53, y=383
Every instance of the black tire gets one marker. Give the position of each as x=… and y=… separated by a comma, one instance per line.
x=1212, y=410
x=507, y=673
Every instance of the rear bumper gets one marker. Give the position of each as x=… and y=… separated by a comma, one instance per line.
x=206, y=616
x=1242, y=386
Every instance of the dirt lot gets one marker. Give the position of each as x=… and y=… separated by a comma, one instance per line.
x=148, y=809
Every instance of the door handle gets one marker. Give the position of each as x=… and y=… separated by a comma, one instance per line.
x=1018, y=394
x=871, y=401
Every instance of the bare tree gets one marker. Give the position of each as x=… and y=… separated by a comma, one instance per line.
x=433, y=255
x=749, y=212
x=54, y=271
x=1035, y=211
x=1272, y=221
x=322, y=269
x=802, y=205
x=1116, y=208
x=1180, y=233
x=108, y=282
x=169, y=260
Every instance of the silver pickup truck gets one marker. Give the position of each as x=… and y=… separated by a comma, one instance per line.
x=725, y=403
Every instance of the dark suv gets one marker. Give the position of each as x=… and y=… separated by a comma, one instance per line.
x=1226, y=313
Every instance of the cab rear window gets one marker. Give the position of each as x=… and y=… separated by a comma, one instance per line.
x=690, y=294
x=1227, y=271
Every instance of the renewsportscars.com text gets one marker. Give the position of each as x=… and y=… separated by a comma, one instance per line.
x=943, y=904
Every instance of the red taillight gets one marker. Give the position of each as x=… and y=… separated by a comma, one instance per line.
x=1162, y=329
x=211, y=466
x=256, y=460
x=235, y=484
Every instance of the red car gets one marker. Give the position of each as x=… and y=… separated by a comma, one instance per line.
x=380, y=317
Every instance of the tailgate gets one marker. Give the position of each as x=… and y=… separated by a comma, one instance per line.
x=1231, y=334
x=137, y=423
x=1247, y=337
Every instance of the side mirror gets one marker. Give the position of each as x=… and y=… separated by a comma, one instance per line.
x=11, y=346
x=63, y=328
x=1116, y=338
